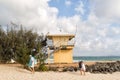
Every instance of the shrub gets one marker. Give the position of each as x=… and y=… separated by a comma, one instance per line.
x=42, y=67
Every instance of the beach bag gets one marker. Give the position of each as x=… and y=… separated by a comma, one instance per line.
x=35, y=61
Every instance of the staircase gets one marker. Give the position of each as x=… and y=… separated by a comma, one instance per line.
x=55, y=49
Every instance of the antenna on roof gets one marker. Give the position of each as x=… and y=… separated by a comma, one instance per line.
x=60, y=28
x=75, y=34
x=76, y=30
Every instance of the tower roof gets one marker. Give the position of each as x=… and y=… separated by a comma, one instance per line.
x=60, y=34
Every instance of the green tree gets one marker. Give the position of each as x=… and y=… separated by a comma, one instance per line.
x=18, y=43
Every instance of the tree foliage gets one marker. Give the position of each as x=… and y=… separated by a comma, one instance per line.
x=18, y=43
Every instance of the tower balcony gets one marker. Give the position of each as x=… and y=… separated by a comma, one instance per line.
x=66, y=47
x=62, y=47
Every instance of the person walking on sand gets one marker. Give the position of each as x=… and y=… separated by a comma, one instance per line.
x=31, y=64
x=82, y=67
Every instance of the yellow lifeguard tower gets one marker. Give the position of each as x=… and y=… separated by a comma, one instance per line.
x=62, y=47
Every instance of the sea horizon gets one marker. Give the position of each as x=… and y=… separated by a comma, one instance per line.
x=95, y=58
x=92, y=58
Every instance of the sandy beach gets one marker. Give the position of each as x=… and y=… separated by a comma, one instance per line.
x=16, y=72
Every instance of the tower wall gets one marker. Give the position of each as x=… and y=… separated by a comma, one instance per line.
x=63, y=56
x=57, y=41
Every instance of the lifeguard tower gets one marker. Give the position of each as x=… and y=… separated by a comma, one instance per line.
x=62, y=47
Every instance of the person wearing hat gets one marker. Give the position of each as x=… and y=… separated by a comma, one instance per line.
x=31, y=64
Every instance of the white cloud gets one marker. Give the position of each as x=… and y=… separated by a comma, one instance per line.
x=108, y=9
x=29, y=13
x=94, y=35
x=37, y=15
x=69, y=24
x=68, y=3
x=116, y=30
x=80, y=8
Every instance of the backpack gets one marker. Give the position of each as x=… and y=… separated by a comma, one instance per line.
x=80, y=65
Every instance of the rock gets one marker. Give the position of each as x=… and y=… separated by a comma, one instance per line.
x=64, y=69
x=104, y=67
x=71, y=69
x=75, y=69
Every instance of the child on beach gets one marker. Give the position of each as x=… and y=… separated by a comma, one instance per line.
x=82, y=67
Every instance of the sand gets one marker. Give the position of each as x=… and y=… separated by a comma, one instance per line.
x=15, y=72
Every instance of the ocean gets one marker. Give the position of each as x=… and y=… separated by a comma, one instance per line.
x=95, y=58
x=92, y=58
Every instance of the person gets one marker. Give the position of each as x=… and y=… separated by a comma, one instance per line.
x=31, y=64
x=82, y=67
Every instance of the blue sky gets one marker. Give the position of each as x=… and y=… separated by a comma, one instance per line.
x=97, y=21
x=84, y=8
x=67, y=7
x=64, y=10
